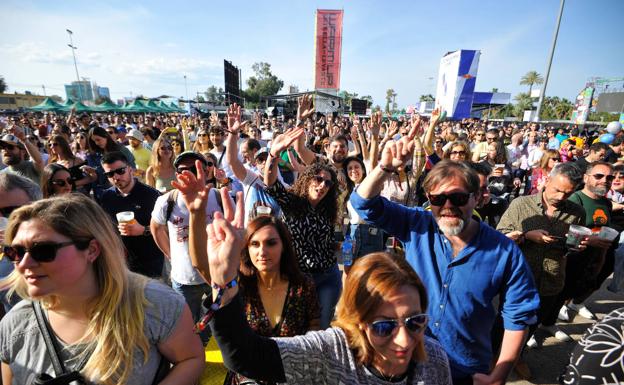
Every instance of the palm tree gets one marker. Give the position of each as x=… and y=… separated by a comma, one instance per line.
x=3, y=85
x=390, y=98
x=523, y=102
x=531, y=78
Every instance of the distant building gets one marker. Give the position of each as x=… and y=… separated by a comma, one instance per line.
x=15, y=101
x=101, y=92
x=79, y=91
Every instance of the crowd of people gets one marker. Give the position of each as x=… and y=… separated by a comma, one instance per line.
x=131, y=241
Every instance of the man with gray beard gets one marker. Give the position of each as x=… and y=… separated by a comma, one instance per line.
x=463, y=263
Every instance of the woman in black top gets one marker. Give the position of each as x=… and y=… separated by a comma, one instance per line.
x=60, y=152
x=310, y=209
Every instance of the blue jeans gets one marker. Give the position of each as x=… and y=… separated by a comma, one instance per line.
x=328, y=288
x=368, y=239
x=193, y=294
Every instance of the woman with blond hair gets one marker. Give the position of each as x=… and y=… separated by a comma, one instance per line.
x=111, y=326
x=458, y=151
x=377, y=337
x=161, y=172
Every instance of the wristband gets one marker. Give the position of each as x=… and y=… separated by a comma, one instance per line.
x=387, y=169
x=203, y=322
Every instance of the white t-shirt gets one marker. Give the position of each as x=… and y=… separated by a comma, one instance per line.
x=223, y=163
x=182, y=270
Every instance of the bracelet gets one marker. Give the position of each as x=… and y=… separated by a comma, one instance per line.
x=387, y=169
x=203, y=322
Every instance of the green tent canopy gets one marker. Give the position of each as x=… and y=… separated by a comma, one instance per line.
x=176, y=107
x=165, y=107
x=79, y=107
x=152, y=105
x=134, y=106
x=106, y=106
x=48, y=104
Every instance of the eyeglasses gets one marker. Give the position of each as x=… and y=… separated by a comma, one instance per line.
x=192, y=169
x=320, y=180
x=556, y=159
x=53, y=144
x=166, y=149
x=438, y=142
x=602, y=176
x=489, y=138
x=61, y=182
x=385, y=328
x=480, y=134
x=457, y=199
x=457, y=153
x=119, y=171
x=39, y=251
x=111, y=132
x=6, y=211
x=202, y=134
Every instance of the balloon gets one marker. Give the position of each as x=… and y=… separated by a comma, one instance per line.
x=606, y=138
x=614, y=127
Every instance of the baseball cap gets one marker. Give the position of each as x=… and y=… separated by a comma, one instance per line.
x=135, y=134
x=11, y=139
x=188, y=155
x=263, y=150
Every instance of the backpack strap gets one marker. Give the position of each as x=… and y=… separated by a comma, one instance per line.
x=172, y=197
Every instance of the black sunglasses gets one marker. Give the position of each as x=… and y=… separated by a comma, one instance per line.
x=61, y=182
x=192, y=169
x=7, y=146
x=6, y=211
x=39, y=251
x=385, y=328
x=601, y=176
x=457, y=153
x=119, y=171
x=457, y=199
x=319, y=180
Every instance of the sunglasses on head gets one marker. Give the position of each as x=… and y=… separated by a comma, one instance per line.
x=40, y=251
x=192, y=169
x=61, y=182
x=457, y=199
x=319, y=180
x=602, y=176
x=6, y=211
x=385, y=328
x=118, y=171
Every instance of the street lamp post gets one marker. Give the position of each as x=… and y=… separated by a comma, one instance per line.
x=74, y=48
x=550, y=58
x=187, y=97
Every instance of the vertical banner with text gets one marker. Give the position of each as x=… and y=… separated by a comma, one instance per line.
x=328, y=47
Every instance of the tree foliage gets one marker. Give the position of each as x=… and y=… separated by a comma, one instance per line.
x=554, y=108
x=263, y=83
x=523, y=103
x=3, y=85
x=391, y=105
x=531, y=78
x=214, y=95
x=427, y=98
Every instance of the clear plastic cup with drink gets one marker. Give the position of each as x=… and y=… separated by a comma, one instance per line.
x=608, y=233
x=576, y=234
x=125, y=217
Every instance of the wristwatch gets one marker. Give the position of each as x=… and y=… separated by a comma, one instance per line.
x=146, y=231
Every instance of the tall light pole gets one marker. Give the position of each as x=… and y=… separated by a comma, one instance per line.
x=550, y=58
x=187, y=98
x=74, y=48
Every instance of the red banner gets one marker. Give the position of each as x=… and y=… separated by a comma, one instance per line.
x=328, y=48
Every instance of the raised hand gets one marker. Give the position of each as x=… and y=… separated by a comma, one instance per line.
x=305, y=107
x=396, y=154
x=233, y=118
x=193, y=188
x=435, y=117
x=415, y=125
x=214, y=119
x=285, y=140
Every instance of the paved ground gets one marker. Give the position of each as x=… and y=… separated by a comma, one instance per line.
x=548, y=362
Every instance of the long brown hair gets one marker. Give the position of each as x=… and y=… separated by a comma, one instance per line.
x=328, y=206
x=64, y=147
x=372, y=279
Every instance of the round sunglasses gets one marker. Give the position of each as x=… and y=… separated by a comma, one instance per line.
x=385, y=328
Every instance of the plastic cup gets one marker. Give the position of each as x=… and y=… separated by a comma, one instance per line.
x=125, y=216
x=608, y=233
x=576, y=234
x=263, y=210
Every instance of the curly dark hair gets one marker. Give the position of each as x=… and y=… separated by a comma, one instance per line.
x=329, y=204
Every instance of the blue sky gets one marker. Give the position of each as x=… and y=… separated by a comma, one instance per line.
x=147, y=47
